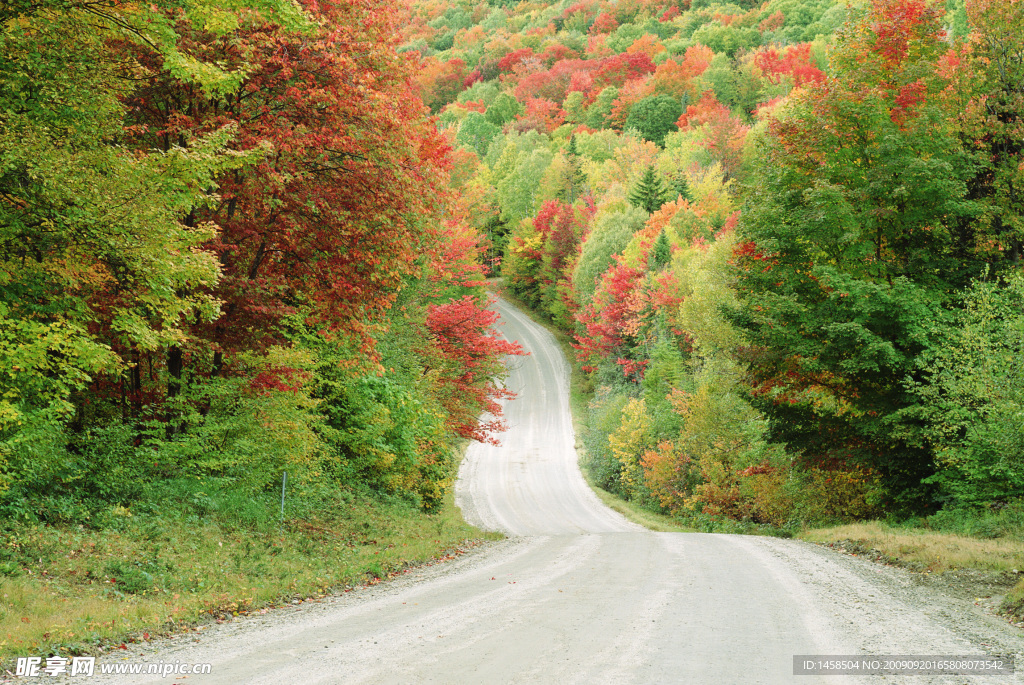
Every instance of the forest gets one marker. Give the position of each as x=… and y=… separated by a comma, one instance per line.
x=784, y=236
x=221, y=260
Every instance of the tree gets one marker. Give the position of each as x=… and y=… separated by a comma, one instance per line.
x=992, y=63
x=598, y=112
x=353, y=155
x=654, y=116
x=682, y=187
x=473, y=354
x=973, y=395
x=476, y=132
x=97, y=260
x=610, y=235
x=574, y=183
x=851, y=244
x=661, y=253
x=504, y=109
x=649, y=193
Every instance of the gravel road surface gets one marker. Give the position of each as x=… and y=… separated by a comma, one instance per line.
x=578, y=594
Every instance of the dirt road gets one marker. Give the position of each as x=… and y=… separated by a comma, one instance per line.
x=580, y=595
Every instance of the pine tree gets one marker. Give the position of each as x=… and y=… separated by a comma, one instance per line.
x=574, y=182
x=661, y=253
x=649, y=193
x=682, y=188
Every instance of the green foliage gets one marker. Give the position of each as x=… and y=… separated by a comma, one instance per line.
x=481, y=91
x=476, y=133
x=597, y=113
x=387, y=431
x=681, y=187
x=654, y=116
x=41, y=365
x=649, y=193
x=661, y=253
x=73, y=201
x=727, y=40
x=605, y=414
x=723, y=79
x=1004, y=520
x=848, y=261
x=574, y=106
x=62, y=478
x=503, y=109
x=521, y=266
x=518, y=190
x=574, y=180
x=600, y=146
x=610, y=235
x=974, y=396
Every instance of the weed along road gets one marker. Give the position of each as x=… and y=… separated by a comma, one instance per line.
x=578, y=594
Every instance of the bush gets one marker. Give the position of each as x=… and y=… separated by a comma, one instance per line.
x=601, y=465
x=840, y=495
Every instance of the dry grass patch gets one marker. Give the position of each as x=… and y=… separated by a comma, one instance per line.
x=932, y=550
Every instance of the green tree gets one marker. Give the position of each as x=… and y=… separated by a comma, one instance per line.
x=503, y=109
x=574, y=182
x=610, y=235
x=96, y=256
x=517, y=191
x=476, y=133
x=597, y=113
x=649, y=193
x=682, y=187
x=973, y=395
x=851, y=242
x=655, y=116
x=661, y=253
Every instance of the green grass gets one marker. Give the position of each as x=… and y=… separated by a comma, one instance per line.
x=73, y=590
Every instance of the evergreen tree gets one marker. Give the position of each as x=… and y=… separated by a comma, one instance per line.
x=681, y=187
x=661, y=253
x=574, y=181
x=649, y=193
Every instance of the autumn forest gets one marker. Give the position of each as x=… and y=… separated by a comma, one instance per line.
x=244, y=239
x=785, y=238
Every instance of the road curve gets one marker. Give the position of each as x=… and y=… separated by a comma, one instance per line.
x=530, y=484
x=580, y=595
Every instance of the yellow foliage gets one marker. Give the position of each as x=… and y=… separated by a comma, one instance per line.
x=771, y=501
x=706, y=283
x=630, y=441
x=841, y=495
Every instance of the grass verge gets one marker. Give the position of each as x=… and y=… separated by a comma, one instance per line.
x=75, y=590
x=925, y=549
x=979, y=548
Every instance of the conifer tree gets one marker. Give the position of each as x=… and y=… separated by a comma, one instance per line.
x=574, y=182
x=681, y=187
x=661, y=253
x=649, y=193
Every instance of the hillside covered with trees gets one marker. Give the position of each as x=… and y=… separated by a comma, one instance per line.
x=785, y=236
